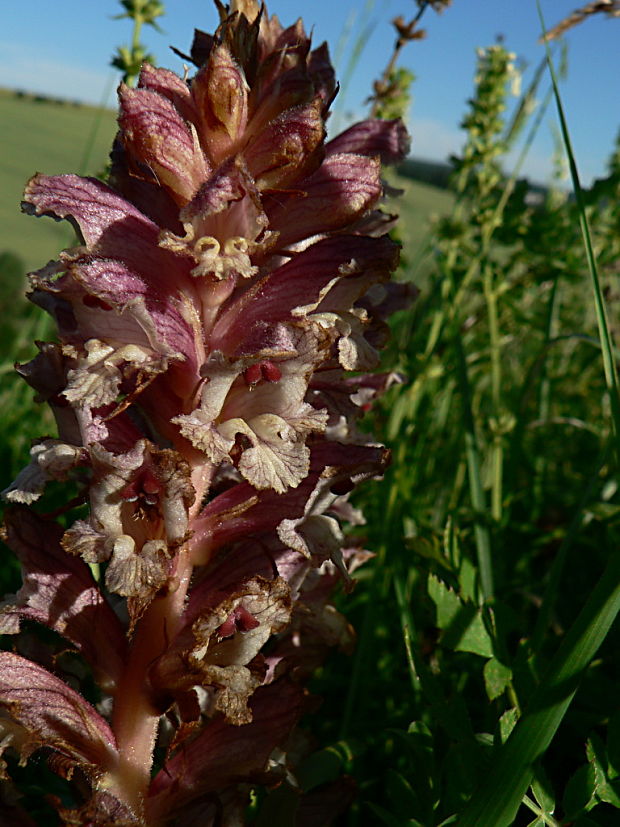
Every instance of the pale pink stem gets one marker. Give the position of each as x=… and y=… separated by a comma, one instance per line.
x=135, y=719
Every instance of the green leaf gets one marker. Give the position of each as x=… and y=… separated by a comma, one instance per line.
x=401, y=795
x=468, y=579
x=609, y=792
x=429, y=549
x=496, y=678
x=579, y=795
x=498, y=799
x=542, y=791
x=595, y=752
x=507, y=722
x=462, y=624
x=319, y=768
x=613, y=745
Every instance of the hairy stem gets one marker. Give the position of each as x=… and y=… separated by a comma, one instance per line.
x=136, y=719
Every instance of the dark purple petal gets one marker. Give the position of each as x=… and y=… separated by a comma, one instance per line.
x=154, y=132
x=97, y=211
x=60, y=593
x=54, y=715
x=286, y=150
x=300, y=282
x=340, y=191
x=387, y=139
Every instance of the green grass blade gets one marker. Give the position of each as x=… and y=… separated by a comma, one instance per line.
x=478, y=500
x=609, y=365
x=495, y=804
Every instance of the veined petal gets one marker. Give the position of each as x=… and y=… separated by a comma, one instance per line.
x=99, y=213
x=169, y=85
x=219, y=643
x=343, y=188
x=59, y=592
x=287, y=149
x=220, y=95
x=153, y=131
x=53, y=715
x=301, y=281
x=225, y=225
x=276, y=458
x=387, y=139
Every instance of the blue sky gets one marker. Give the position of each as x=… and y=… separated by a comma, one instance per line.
x=63, y=47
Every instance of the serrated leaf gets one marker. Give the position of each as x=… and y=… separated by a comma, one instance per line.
x=507, y=722
x=595, y=752
x=497, y=676
x=609, y=792
x=429, y=549
x=542, y=791
x=613, y=745
x=462, y=624
x=468, y=578
x=579, y=795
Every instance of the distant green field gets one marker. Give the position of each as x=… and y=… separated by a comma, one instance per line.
x=52, y=138
x=417, y=206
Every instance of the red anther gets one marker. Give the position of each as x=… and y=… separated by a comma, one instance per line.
x=270, y=372
x=131, y=491
x=145, y=485
x=150, y=483
x=244, y=619
x=239, y=620
x=253, y=374
x=262, y=370
x=95, y=302
x=228, y=627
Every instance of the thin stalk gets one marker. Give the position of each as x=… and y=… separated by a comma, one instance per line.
x=95, y=126
x=539, y=812
x=472, y=452
x=609, y=364
x=544, y=392
x=391, y=64
x=497, y=445
x=406, y=622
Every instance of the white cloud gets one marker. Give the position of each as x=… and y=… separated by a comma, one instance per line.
x=434, y=141
x=20, y=70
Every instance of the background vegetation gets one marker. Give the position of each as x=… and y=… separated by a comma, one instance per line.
x=484, y=687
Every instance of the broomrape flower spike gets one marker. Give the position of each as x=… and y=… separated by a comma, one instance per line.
x=230, y=276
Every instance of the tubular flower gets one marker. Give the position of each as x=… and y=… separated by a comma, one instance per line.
x=229, y=278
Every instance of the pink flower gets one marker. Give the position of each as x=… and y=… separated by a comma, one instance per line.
x=232, y=272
